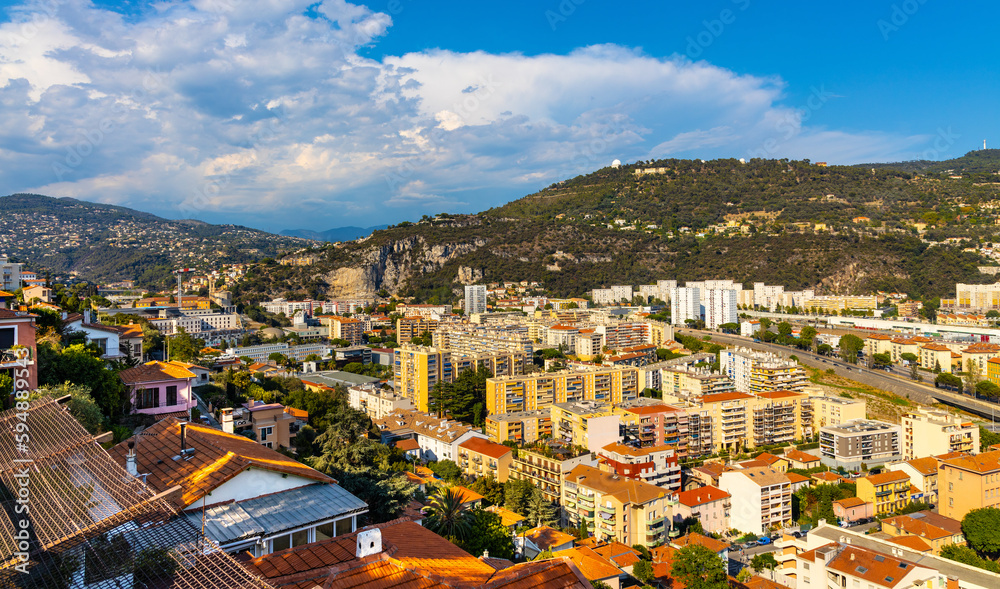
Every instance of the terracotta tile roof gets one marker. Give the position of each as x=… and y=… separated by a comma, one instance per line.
x=925, y=466
x=694, y=539
x=497, y=563
x=757, y=582
x=485, y=447
x=701, y=496
x=828, y=477
x=879, y=567
x=297, y=413
x=606, y=483
x=779, y=394
x=941, y=457
x=981, y=463
x=889, y=476
x=649, y=409
x=800, y=456
x=636, y=452
x=926, y=524
x=144, y=373
x=850, y=502
x=467, y=495
x=753, y=464
x=593, y=566
x=416, y=479
x=938, y=348
x=768, y=458
x=407, y=445
x=764, y=476
x=913, y=543
x=218, y=457
x=545, y=537
x=173, y=369
x=619, y=554
x=795, y=478
x=507, y=517
x=720, y=397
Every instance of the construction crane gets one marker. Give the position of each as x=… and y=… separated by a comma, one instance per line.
x=180, y=289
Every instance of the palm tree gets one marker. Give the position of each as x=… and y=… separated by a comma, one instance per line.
x=447, y=516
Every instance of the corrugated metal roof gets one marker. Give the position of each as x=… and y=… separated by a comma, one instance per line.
x=272, y=514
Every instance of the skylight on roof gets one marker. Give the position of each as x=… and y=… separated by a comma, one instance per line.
x=888, y=579
x=879, y=558
x=861, y=570
x=902, y=565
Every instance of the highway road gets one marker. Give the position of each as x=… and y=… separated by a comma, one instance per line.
x=899, y=385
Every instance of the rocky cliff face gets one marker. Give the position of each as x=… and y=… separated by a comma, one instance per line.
x=390, y=266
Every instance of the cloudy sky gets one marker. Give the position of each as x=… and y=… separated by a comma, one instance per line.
x=282, y=114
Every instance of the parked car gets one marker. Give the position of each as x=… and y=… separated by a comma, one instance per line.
x=764, y=541
x=750, y=544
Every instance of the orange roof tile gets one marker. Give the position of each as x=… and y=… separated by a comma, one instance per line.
x=889, y=476
x=593, y=566
x=779, y=394
x=466, y=495
x=508, y=518
x=485, y=447
x=794, y=477
x=545, y=537
x=695, y=539
x=407, y=445
x=218, y=457
x=850, y=502
x=701, y=496
x=768, y=458
x=720, y=397
x=925, y=466
x=619, y=554
x=913, y=543
x=981, y=463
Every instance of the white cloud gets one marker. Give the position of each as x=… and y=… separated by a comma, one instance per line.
x=265, y=112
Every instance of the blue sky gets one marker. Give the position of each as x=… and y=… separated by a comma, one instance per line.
x=300, y=114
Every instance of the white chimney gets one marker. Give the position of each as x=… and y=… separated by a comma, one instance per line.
x=369, y=543
x=130, y=460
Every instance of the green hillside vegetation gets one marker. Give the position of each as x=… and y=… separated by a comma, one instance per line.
x=693, y=220
x=67, y=237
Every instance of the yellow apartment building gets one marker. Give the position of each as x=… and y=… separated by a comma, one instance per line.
x=416, y=369
x=616, y=509
x=887, y=491
x=480, y=458
x=606, y=384
x=968, y=482
x=523, y=427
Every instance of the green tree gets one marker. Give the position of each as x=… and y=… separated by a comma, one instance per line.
x=987, y=389
x=447, y=470
x=490, y=489
x=972, y=375
x=697, y=566
x=540, y=511
x=184, y=347
x=881, y=360
x=850, y=345
x=446, y=516
x=909, y=357
x=487, y=533
x=643, y=571
x=987, y=439
x=764, y=561
x=980, y=529
x=948, y=379
x=785, y=329
x=81, y=405
x=966, y=555
x=517, y=494
x=82, y=365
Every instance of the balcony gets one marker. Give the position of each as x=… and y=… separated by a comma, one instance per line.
x=16, y=356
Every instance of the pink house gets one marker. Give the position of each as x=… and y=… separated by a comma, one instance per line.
x=160, y=388
x=710, y=505
x=852, y=509
x=17, y=349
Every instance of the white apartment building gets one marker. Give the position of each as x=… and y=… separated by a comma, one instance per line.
x=10, y=274
x=761, y=499
x=665, y=286
x=767, y=296
x=438, y=438
x=612, y=295
x=755, y=371
x=196, y=324
x=972, y=296
x=931, y=432
x=377, y=403
x=475, y=299
x=685, y=303
x=720, y=307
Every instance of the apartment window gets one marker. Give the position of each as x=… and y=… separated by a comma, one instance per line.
x=960, y=475
x=324, y=531
x=281, y=543
x=147, y=398
x=7, y=338
x=344, y=526
x=951, y=502
x=265, y=433
x=951, y=487
x=171, y=395
x=102, y=345
x=300, y=537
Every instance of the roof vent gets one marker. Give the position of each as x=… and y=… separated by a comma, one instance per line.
x=369, y=543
